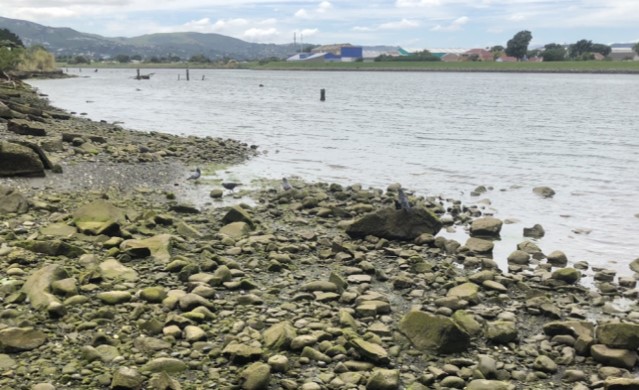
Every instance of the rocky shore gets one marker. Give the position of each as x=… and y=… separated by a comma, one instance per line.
x=115, y=276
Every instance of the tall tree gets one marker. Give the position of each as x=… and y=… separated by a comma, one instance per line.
x=518, y=45
x=8, y=36
x=554, y=52
x=579, y=48
x=602, y=49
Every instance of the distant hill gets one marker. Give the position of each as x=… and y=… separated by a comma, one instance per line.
x=69, y=42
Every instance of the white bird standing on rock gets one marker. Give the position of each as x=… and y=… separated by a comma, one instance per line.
x=286, y=185
x=196, y=175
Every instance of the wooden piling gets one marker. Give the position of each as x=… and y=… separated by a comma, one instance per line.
x=187, y=74
x=138, y=76
x=322, y=95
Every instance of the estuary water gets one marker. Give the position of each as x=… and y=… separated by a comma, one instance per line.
x=435, y=133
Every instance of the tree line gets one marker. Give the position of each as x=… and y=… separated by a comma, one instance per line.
x=14, y=56
x=582, y=50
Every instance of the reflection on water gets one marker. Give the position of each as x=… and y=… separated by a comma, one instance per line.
x=435, y=133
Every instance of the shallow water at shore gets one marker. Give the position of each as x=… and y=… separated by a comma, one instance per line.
x=435, y=133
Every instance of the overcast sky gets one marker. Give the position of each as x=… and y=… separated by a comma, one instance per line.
x=412, y=24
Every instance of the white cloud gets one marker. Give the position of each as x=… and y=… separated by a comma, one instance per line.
x=362, y=29
x=416, y=3
x=324, y=6
x=44, y=13
x=302, y=13
x=309, y=32
x=402, y=24
x=260, y=34
x=455, y=25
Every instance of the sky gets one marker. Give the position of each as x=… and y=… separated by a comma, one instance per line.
x=411, y=24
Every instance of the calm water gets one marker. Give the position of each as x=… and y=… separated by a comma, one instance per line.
x=436, y=133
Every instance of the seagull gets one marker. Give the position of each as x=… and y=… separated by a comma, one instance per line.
x=286, y=185
x=196, y=175
x=402, y=200
x=231, y=186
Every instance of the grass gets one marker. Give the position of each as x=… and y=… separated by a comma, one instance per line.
x=630, y=67
x=540, y=67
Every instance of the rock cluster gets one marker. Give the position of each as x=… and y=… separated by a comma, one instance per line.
x=135, y=289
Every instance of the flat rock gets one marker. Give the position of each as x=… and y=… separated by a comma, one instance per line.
x=38, y=285
x=382, y=379
x=479, y=246
x=99, y=217
x=21, y=339
x=256, y=376
x=169, y=365
x=613, y=357
x=114, y=270
x=158, y=246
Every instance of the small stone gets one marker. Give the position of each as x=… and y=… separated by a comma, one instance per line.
x=279, y=363
x=170, y=365
x=114, y=297
x=545, y=364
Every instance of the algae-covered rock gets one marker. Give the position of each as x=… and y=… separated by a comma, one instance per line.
x=566, y=275
x=113, y=269
x=127, y=378
x=51, y=247
x=486, y=227
x=279, y=336
x=38, y=285
x=501, y=332
x=256, y=376
x=382, y=379
x=12, y=202
x=619, y=335
x=59, y=230
x=21, y=339
x=19, y=160
x=484, y=384
x=371, y=351
x=613, y=356
x=99, y=217
x=236, y=229
x=431, y=332
x=169, y=365
x=479, y=246
x=237, y=214
x=395, y=224
x=158, y=246
x=468, y=291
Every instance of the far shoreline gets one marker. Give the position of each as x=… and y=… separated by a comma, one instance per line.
x=563, y=67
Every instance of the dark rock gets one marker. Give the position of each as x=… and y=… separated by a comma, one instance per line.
x=537, y=231
x=619, y=335
x=430, y=332
x=544, y=192
x=19, y=160
x=395, y=224
x=26, y=127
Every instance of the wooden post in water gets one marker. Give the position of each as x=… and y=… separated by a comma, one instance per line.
x=187, y=74
x=322, y=95
x=138, y=76
x=179, y=76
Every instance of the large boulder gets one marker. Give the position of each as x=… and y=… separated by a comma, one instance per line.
x=26, y=127
x=435, y=333
x=395, y=224
x=544, y=191
x=237, y=214
x=99, y=217
x=619, y=335
x=19, y=160
x=486, y=227
x=279, y=336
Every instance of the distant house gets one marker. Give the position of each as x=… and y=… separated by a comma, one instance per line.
x=481, y=54
x=314, y=57
x=451, y=57
x=623, y=53
x=505, y=58
x=598, y=56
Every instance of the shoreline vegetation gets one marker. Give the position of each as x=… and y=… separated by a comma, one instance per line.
x=602, y=67
x=117, y=272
